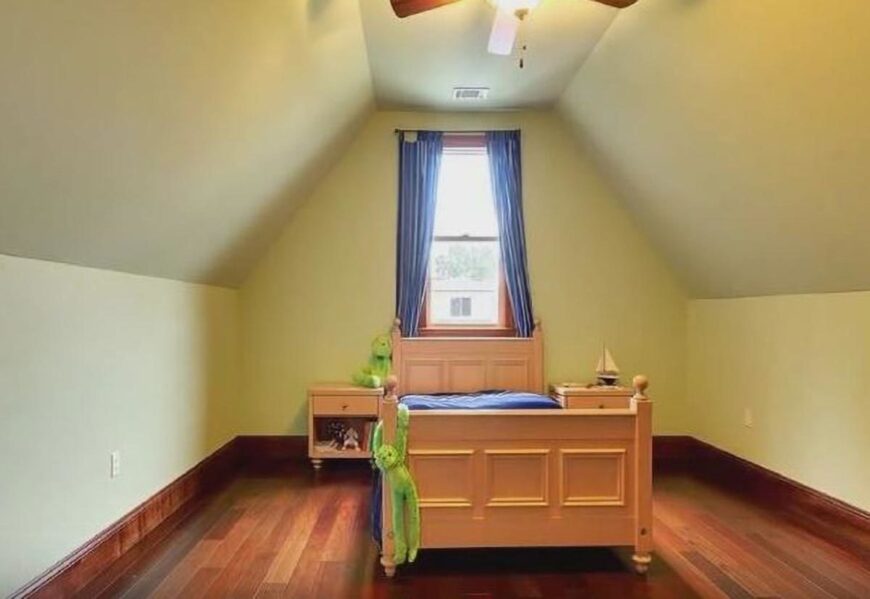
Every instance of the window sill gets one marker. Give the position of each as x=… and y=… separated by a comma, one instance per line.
x=468, y=331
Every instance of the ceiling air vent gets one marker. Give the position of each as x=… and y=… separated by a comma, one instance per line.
x=470, y=93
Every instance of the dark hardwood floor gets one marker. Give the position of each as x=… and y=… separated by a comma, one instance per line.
x=287, y=533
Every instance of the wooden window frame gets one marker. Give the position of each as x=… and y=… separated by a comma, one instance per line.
x=505, y=326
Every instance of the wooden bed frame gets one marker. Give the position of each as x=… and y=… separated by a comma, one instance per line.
x=517, y=478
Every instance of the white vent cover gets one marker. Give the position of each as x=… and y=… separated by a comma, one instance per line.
x=470, y=93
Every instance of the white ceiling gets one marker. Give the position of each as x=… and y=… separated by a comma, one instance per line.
x=416, y=61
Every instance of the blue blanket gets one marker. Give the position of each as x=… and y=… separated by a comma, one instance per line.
x=482, y=400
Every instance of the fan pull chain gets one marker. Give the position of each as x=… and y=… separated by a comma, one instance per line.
x=521, y=43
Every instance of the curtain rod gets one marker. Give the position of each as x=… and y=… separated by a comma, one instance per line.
x=450, y=132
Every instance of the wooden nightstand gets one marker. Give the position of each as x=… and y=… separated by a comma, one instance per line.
x=575, y=397
x=344, y=404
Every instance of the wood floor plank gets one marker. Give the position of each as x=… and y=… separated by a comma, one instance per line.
x=246, y=569
x=802, y=567
x=129, y=575
x=184, y=571
x=827, y=557
x=778, y=583
x=730, y=559
x=270, y=590
x=673, y=548
x=290, y=534
x=284, y=565
x=727, y=584
x=222, y=527
x=200, y=583
x=255, y=504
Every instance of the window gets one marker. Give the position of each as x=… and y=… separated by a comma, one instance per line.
x=465, y=292
x=460, y=307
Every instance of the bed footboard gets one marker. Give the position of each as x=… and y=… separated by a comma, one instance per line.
x=529, y=478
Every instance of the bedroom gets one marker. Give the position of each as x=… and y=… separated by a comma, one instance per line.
x=198, y=223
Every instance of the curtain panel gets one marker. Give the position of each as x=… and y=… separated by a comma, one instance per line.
x=505, y=167
x=419, y=164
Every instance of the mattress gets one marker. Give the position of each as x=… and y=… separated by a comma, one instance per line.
x=481, y=400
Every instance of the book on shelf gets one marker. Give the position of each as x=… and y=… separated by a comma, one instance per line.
x=367, y=435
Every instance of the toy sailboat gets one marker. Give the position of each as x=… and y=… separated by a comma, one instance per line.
x=607, y=370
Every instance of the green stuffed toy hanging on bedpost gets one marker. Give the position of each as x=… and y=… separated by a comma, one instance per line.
x=375, y=373
x=391, y=461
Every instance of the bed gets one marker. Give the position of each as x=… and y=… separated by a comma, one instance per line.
x=529, y=476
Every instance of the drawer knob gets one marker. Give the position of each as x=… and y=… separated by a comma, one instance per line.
x=344, y=407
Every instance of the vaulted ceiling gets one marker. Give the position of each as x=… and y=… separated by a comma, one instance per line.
x=174, y=139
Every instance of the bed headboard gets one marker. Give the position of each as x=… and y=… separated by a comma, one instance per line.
x=466, y=364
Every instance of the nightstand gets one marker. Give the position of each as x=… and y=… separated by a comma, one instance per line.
x=333, y=406
x=575, y=397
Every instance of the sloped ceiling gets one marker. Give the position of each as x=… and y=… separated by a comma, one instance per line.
x=738, y=134
x=175, y=138
x=170, y=138
x=418, y=60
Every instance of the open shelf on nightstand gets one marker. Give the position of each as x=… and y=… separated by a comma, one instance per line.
x=336, y=407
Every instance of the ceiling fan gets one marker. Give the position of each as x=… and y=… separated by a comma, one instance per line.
x=509, y=15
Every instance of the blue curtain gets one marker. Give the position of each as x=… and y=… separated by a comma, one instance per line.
x=505, y=170
x=419, y=163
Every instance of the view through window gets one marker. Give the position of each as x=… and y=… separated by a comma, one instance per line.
x=465, y=267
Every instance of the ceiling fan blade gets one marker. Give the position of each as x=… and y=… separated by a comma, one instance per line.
x=504, y=32
x=617, y=3
x=406, y=8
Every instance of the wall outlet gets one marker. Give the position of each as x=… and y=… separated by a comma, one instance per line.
x=115, y=459
x=747, y=418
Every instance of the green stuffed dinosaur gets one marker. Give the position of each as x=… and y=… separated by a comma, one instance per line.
x=391, y=460
x=378, y=369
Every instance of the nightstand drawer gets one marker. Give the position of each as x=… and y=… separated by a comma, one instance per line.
x=343, y=405
x=593, y=403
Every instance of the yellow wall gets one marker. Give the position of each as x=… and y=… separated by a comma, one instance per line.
x=326, y=287
x=91, y=362
x=800, y=364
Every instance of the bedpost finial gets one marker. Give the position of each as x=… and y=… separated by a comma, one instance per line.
x=391, y=384
x=640, y=384
x=397, y=324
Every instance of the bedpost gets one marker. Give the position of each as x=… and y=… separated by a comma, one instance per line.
x=389, y=411
x=643, y=475
x=538, y=341
x=396, y=338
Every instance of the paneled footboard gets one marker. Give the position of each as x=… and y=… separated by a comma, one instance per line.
x=529, y=478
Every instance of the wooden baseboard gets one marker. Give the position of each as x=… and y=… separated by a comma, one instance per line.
x=672, y=451
x=841, y=524
x=75, y=571
x=256, y=451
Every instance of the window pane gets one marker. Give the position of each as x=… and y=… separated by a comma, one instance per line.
x=464, y=283
x=465, y=205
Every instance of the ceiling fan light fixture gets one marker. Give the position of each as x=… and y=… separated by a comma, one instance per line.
x=515, y=6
